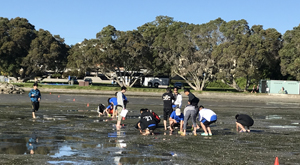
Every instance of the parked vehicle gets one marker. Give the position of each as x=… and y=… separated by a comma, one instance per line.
x=178, y=85
x=88, y=80
x=156, y=82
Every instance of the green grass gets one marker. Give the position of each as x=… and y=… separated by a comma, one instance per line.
x=114, y=87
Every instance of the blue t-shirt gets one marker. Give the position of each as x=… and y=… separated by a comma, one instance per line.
x=36, y=95
x=177, y=118
x=114, y=100
x=124, y=97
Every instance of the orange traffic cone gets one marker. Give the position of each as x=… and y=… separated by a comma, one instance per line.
x=73, y=99
x=87, y=104
x=276, y=161
x=50, y=93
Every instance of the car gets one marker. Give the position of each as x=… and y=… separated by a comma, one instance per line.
x=88, y=80
x=179, y=85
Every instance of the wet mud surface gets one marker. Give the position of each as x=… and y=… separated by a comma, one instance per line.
x=68, y=132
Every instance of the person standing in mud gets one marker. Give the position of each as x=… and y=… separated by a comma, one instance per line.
x=35, y=97
x=242, y=121
x=168, y=99
x=178, y=98
x=122, y=101
x=193, y=101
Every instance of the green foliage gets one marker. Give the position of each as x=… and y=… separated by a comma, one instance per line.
x=15, y=38
x=290, y=53
x=56, y=75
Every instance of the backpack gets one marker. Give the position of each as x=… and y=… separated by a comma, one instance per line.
x=156, y=117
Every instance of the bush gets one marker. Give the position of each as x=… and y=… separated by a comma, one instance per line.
x=56, y=75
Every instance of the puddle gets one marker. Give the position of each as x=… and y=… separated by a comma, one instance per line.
x=273, y=117
x=283, y=126
x=117, y=134
x=64, y=151
x=71, y=162
x=139, y=160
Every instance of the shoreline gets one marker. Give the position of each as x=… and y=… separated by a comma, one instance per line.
x=204, y=95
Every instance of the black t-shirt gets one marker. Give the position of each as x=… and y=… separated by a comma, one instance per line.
x=193, y=99
x=167, y=98
x=147, y=119
x=245, y=120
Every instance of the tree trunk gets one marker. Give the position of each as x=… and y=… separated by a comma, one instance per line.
x=233, y=85
x=203, y=83
x=247, y=84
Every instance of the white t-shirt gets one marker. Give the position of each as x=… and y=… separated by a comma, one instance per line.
x=206, y=114
x=178, y=100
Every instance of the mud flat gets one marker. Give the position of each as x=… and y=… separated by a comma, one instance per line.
x=69, y=132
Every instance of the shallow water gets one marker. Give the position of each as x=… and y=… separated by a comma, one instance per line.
x=69, y=132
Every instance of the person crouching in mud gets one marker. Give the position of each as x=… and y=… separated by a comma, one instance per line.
x=242, y=121
x=147, y=123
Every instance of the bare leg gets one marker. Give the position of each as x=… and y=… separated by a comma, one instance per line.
x=203, y=127
x=172, y=122
x=165, y=124
x=238, y=125
x=248, y=130
x=146, y=132
x=33, y=115
x=118, y=126
x=209, y=130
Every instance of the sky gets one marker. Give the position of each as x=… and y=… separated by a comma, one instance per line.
x=76, y=20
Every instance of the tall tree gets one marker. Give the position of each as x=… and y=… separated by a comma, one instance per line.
x=46, y=53
x=122, y=55
x=15, y=38
x=227, y=54
x=83, y=55
x=205, y=37
x=290, y=53
x=151, y=32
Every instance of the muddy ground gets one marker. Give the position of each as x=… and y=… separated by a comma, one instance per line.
x=69, y=132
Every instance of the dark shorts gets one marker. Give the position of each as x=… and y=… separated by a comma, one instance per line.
x=207, y=123
x=146, y=126
x=35, y=106
x=176, y=124
x=167, y=113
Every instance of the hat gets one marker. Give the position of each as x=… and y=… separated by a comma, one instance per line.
x=178, y=112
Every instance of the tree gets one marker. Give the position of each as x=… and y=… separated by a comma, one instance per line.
x=151, y=32
x=15, y=38
x=83, y=56
x=187, y=49
x=206, y=37
x=290, y=53
x=122, y=55
x=227, y=54
x=46, y=53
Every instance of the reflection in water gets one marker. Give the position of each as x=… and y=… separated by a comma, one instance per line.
x=64, y=151
x=70, y=162
x=32, y=144
x=116, y=134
